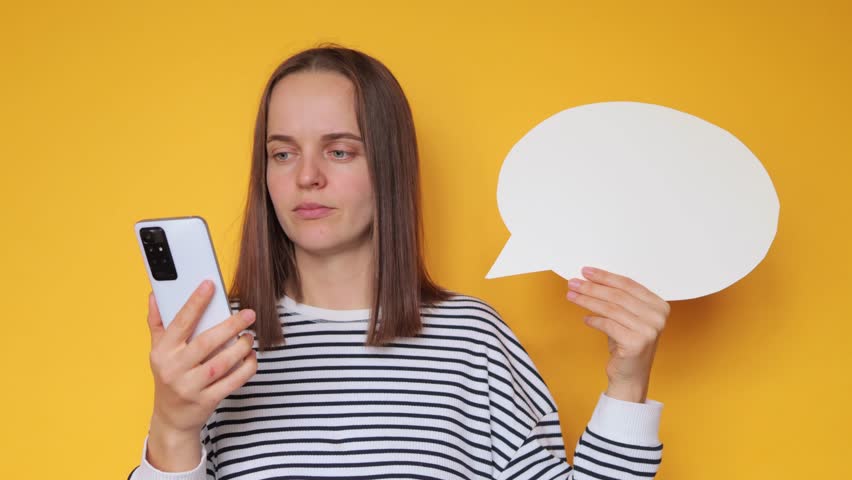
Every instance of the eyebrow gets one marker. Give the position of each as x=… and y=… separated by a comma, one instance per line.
x=326, y=137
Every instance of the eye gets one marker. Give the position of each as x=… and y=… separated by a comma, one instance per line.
x=276, y=156
x=340, y=154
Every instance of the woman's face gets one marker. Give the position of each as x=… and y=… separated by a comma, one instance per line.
x=316, y=171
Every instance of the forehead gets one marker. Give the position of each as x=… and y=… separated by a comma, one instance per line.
x=312, y=103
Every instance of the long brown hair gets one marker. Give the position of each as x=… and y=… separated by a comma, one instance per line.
x=267, y=261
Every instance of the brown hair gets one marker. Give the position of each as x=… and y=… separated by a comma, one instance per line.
x=267, y=260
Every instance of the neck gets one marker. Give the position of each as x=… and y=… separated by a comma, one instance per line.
x=339, y=281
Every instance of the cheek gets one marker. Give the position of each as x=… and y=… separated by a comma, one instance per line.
x=275, y=182
x=270, y=183
x=361, y=193
x=276, y=189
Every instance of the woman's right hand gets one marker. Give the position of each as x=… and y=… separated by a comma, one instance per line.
x=187, y=385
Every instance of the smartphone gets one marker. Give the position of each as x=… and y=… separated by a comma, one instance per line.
x=179, y=255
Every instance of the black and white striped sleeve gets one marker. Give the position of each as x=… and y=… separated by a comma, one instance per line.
x=620, y=442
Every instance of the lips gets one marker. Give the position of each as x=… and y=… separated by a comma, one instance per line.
x=310, y=210
x=309, y=206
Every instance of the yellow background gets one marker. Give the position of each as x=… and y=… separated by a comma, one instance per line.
x=118, y=111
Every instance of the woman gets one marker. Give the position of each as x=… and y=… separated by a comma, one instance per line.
x=362, y=366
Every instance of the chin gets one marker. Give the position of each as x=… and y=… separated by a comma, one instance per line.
x=321, y=245
x=325, y=242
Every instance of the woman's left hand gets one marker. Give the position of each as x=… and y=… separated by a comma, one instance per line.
x=633, y=318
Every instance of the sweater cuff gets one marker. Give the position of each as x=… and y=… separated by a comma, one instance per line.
x=146, y=471
x=627, y=422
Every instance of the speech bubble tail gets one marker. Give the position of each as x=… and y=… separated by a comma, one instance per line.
x=515, y=259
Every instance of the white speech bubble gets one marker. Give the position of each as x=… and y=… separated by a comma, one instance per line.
x=645, y=191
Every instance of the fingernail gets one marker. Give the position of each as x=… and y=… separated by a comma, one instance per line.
x=206, y=286
x=247, y=315
x=575, y=283
x=572, y=295
x=589, y=271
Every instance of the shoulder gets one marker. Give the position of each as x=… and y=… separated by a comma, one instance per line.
x=234, y=304
x=511, y=369
x=466, y=307
x=477, y=316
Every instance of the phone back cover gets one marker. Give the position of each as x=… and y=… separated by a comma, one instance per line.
x=195, y=261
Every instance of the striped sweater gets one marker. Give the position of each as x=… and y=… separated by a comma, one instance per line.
x=463, y=400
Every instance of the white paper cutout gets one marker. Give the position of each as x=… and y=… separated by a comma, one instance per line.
x=645, y=191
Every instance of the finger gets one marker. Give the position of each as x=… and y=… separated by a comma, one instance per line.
x=623, y=283
x=612, y=295
x=236, y=379
x=614, y=330
x=220, y=364
x=203, y=345
x=155, y=323
x=182, y=326
x=606, y=309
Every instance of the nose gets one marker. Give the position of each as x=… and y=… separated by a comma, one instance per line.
x=311, y=174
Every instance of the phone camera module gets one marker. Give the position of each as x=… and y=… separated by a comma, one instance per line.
x=158, y=253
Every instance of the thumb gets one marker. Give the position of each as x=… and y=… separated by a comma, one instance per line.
x=155, y=323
